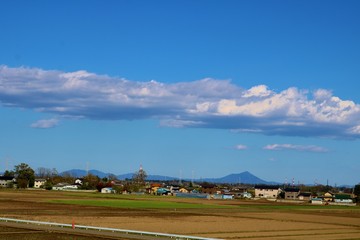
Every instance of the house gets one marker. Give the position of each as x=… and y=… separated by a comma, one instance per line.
x=64, y=187
x=39, y=182
x=245, y=195
x=291, y=193
x=6, y=181
x=79, y=181
x=174, y=188
x=328, y=197
x=267, y=191
x=108, y=190
x=59, y=186
x=183, y=190
x=305, y=196
x=238, y=192
x=317, y=201
x=343, y=198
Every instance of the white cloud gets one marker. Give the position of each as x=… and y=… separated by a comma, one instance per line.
x=302, y=148
x=258, y=91
x=178, y=123
x=46, y=123
x=355, y=130
x=207, y=103
x=241, y=147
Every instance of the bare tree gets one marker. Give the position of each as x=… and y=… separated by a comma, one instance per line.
x=42, y=172
x=139, y=177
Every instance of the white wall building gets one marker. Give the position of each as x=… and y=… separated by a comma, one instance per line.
x=39, y=182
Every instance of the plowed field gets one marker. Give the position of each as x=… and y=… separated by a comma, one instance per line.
x=226, y=219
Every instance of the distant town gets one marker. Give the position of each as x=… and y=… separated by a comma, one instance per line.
x=24, y=177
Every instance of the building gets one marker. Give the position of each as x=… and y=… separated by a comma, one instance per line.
x=267, y=191
x=239, y=192
x=107, y=190
x=328, y=197
x=317, y=201
x=174, y=188
x=6, y=181
x=64, y=187
x=343, y=198
x=79, y=181
x=305, y=196
x=39, y=182
x=183, y=190
x=246, y=195
x=291, y=193
x=228, y=196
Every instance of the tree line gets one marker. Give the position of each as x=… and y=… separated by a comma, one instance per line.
x=25, y=178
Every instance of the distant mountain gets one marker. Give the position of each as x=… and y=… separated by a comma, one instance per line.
x=149, y=177
x=161, y=178
x=244, y=177
x=82, y=173
x=125, y=176
x=74, y=173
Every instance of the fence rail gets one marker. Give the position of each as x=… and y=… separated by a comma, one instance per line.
x=124, y=231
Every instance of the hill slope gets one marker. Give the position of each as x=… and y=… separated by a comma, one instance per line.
x=244, y=177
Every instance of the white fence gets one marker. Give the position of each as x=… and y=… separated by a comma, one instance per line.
x=123, y=231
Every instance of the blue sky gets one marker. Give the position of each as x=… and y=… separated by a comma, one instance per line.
x=185, y=88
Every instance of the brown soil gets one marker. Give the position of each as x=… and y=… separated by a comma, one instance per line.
x=239, y=223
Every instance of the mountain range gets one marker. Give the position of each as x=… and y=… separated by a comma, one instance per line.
x=244, y=177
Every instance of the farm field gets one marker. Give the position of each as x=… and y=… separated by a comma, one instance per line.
x=225, y=219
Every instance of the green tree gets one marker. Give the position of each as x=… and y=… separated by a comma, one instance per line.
x=9, y=173
x=48, y=185
x=25, y=175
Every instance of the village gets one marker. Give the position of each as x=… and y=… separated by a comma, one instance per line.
x=25, y=177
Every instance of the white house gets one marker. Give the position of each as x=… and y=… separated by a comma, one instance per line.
x=246, y=195
x=79, y=181
x=39, y=182
x=6, y=181
x=64, y=186
x=107, y=190
x=317, y=201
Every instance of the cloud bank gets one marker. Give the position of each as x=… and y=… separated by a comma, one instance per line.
x=302, y=148
x=205, y=103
